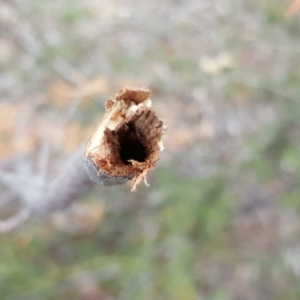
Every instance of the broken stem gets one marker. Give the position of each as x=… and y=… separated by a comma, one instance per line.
x=128, y=142
x=125, y=146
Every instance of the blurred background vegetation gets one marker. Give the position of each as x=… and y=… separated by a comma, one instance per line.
x=221, y=217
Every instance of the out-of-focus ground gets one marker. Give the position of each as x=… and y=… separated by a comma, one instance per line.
x=221, y=217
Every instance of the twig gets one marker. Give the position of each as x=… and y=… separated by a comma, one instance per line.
x=265, y=89
x=16, y=220
x=10, y=162
x=125, y=146
x=43, y=157
x=75, y=102
x=5, y=198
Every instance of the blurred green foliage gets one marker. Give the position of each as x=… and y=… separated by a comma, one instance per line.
x=227, y=234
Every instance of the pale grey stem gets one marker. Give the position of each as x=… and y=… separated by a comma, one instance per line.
x=43, y=157
x=5, y=198
x=77, y=178
x=15, y=221
x=117, y=152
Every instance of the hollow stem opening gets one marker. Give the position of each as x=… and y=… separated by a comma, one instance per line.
x=131, y=146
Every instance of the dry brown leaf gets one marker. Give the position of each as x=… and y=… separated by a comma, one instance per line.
x=293, y=9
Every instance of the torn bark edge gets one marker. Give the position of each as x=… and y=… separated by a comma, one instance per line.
x=128, y=141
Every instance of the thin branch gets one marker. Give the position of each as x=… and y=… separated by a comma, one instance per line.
x=15, y=221
x=9, y=163
x=9, y=179
x=72, y=183
x=43, y=157
x=6, y=198
x=125, y=146
x=75, y=102
x=265, y=89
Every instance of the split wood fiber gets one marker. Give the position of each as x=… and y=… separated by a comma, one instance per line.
x=128, y=141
